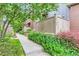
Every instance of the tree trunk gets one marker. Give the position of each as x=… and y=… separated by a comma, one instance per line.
x=3, y=27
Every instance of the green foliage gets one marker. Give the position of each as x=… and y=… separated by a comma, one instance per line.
x=54, y=45
x=14, y=15
x=40, y=10
x=17, y=13
x=17, y=25
x=11, y=47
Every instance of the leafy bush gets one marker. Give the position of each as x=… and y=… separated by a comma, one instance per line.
x=17, y=25
x=72, y=36
x=53, y=44
x=28, y=30
x=21, y=32
x=10, y=47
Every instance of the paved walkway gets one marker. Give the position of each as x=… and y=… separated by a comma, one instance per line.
x=31, y=48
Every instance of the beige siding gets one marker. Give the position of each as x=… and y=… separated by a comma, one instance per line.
x=62, y=25
x=47, y=25
x=52, y=25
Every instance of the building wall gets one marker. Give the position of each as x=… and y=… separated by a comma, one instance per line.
x=63, y=10
x=49, y=25
x=74, y=17
x=46, y=26
x=62, y=25
x=54, y=24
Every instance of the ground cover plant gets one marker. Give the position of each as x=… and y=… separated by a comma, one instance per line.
x=54, y=45
x=72, y=36
x=10, y=47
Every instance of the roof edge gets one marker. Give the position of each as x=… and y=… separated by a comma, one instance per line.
x=72, y=4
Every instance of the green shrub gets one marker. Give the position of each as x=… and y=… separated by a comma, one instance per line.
x=17, y=25
x=28, y=30
x=53, y=44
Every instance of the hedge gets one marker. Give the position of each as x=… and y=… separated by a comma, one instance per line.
x=54, y=45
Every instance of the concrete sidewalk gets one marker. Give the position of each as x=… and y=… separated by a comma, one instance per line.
x=31, y=48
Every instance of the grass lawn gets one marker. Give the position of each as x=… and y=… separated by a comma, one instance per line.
x=11, y=47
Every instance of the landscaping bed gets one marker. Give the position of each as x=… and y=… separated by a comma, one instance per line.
x=11, y=47
x=72, y=36
x=54, y=45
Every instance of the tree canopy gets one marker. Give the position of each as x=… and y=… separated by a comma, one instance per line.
x=17, y=13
